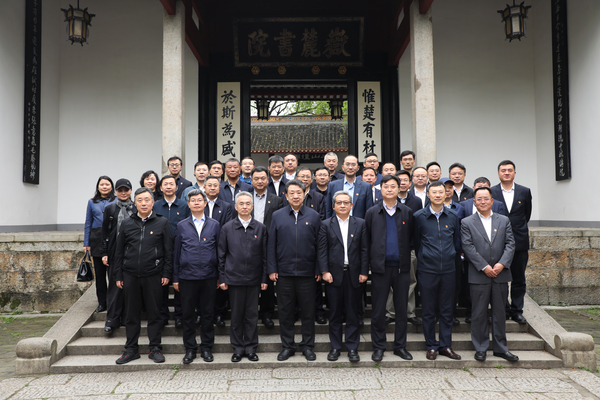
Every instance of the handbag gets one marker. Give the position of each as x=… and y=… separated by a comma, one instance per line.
x=86, y=266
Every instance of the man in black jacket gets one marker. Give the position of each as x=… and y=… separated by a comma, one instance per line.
x=114, y=214
x=292, y=263
x=243, y=272
x=143, y=264
x=344, y=263
x=389, y=233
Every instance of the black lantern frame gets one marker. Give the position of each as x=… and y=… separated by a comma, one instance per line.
x=514, y=20
x=78, y=23
x=336, y=109
x=262, y=106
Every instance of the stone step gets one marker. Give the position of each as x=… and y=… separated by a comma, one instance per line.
x=106, y=363
x=95, y=328
x=272, y=343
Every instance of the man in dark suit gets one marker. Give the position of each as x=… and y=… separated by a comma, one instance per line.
x=321, y=182
x=488, y=241
x=277, y=179
x=362, y=198
x=462, y=192
x=389, y=234
x=331, y=163
x=419, y=189
x=232, y=185
x=175, y=164
x=265, y=204
x=517, y=200
x=372, y=161
x=292, y=263
x=370, y=176
x=344, y=263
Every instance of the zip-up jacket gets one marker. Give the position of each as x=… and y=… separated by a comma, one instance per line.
x=144, y=248
x=195, y=256
x=243, y=253
x=177, y=212
x=109, y=230
x=292, y=245
x=435, y=240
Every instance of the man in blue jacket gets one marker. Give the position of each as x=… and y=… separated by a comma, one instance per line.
x=436, y=231
x=292, y=263
x=195, y=275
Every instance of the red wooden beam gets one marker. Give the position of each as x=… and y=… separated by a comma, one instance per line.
x=424, y=6
x=169, y=6
x=401, y=36
x=196, y=37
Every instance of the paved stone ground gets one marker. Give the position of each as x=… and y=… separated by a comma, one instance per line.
x=294, y=383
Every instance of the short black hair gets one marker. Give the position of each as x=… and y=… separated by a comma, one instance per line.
x=260, y=168
x=416, y=168
x=457, y=165
x=275, y=158
x=232, y=160
x=371, y=155
x=249, y=158
x=199, y=163
x=320, y=168
x=390, y=178
x=165, y=178
x=482, y=188
x=174, y=158
x=436, y=184
x=213, y=162
x=303, y=169
x=211, y=177
x=143, y=190
x=295, y=182
x=369, y=168
x=507, y=162
x=295, y=156
x=97, y=196
x=432, y=163
x=482, y=179
x=403, y=172
x=147, y=174
x=408, y=153
x=389, y=162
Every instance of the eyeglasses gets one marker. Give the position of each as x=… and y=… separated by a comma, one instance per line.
x=259, y=178
x=343, y=203
x=197, y=201
x=482, y=200
x=174, y=165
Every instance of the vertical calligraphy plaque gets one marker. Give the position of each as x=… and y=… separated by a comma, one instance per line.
x=368, y=112
x=33, y=68
x=560, y=67
x=228, y=120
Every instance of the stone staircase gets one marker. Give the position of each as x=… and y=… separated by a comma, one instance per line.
x=93, y=351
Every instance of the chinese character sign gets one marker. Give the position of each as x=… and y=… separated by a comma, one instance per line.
x=228, y=119
x=369, y=118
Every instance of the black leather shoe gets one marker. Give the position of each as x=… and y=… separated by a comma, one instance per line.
x=207, y=356
x=456, y=321
x=100, y=308
x=480, y=355
x=414, y=321
x=333, y=355
x=198, y=321
x=268, y=322
x=156, y=356
x=252, y=357
x=190, y=355
x=508, y=356
x=236, y=357
x=361, y=323
x=389, y=320
x=377, y=355
x=519, y=318
x=219, y=321
x=178, y=323
x=320, y=320
x=126, y=357
x=108, y=330
x=309, y=355
x=353, y=356
x=403, y=353
x=467, y=320
x=285, y=354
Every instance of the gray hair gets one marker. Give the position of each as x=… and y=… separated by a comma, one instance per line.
x=196, y=192
x=243, y=193
x=341, y=192
x=295, y=182
x=143, y=190
x=330, y=154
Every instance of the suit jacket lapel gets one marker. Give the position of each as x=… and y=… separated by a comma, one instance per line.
x=495, y=226
x=336, y=229
x=351, y=230
x=481, y=229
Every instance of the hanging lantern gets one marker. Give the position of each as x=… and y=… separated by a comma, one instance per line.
x=78, y=22
x=336, y=109
x=514, y=20
x=263, y=109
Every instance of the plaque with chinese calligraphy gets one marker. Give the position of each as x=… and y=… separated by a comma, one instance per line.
x=298, y=41
x=369, y=118
x=228, y=120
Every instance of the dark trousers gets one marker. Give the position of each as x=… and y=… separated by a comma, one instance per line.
x=135, y=290
x=380, y=289
x=518, y=287
x=319, y=301
x=114, y=301
x=198, y=293
x=244, y=318
x=344, y=299
x=101, y=287
x=221, y=302
x=267, y=300
x=165, y=314
x=458, y=269
x=484, y=294
x=292, y=290
x=464, y=298
x=437, y=298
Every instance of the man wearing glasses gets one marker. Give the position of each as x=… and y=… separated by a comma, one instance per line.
x=175, y=164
